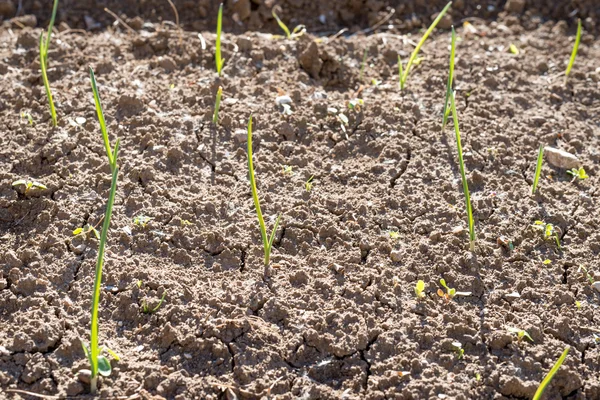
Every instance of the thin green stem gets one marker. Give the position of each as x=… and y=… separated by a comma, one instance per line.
x=217, y=105
x=267, y=241
x=283, y=26
x=538, y=168
x=420, y=44
x=43, y=63
x=100, y=113
x=94, y=347
x=574, y=52
x=362, y=66
x=400, y=73
x=50, y=27
x=449, y=84
x=112, y=159
x=218, y=60
x=540, y=391
x=463, y=175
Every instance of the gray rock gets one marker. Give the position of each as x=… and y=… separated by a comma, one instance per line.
x=561, y=158
x=596, y=285
x=396, y=255
x=240, y=135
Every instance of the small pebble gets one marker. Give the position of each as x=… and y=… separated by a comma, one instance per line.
x=396, y=255
x=561, y=158
x=84, y=375
x=596, y=285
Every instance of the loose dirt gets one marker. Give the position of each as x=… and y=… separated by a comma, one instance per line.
x=335, y=315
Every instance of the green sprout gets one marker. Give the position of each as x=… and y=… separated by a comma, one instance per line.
x=219, y=61
x=26, y=115
x=395, y=235
x=549, y=231
x=578, y=173
x=355, y=104
x=548, y=378
x=403, y=74
x=521, y=333
x=446, y=111
x=420, y=290
x=513, y=49
x=86, y=230
x=450, y=292
x=458, y=349
x=29, y=185
x=538, y=168
x=267, y=241
x=362, y=66
x=463, y=175
x=296, y=33
x=146, y=308
x=309, y=184
x=99, y=363
x=217, y=105
x=588, y=276
x=574, y=53
x=142, y=220
x=44, y=44
x=287, y=170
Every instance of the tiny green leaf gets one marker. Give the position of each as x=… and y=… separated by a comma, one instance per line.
x=104, y=367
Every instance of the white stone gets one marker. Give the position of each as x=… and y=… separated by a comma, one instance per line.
x=561, y=158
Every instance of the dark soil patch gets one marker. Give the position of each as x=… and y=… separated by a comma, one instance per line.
x=335, y=316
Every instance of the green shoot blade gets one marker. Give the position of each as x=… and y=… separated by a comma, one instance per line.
x=548, y=378
x=271, y=239
x=362, y=66
x=400, y=81
x=574, y=53
x=218, y=60
x=43, y=64
x=50, y=27
x=112, y=353
x=420, y=44
x=450, y=79
x=463, y=175
x=538, y=168
x=281, y=24
x=100, y=113
x=261, y=221
x=217, y=105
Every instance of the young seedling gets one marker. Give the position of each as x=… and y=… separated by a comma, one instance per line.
x=463, y=175
x=44, y=44
x=219, y=61
x=449, y=84
x=578, y=173
x=549, y=231
x=340, y=117
x=587, y=275
x=146, y=308
x=217, y=105
x=394, y=235
x=287, y=170
x=100, y=365
x=355, y=104
x=142, y=220
x=450, y=292
x=458, y=349
x=26, y=115
x=362, y=66
x=521, y=333
x=574, y=52
x=267, y=240
x=308, y=185
x=86, y=230
x=548, y=378
x=513, y=49
x=420, y=290
x=538, y=168
x=28, y=185
x=296, y=33
x=403, y=73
